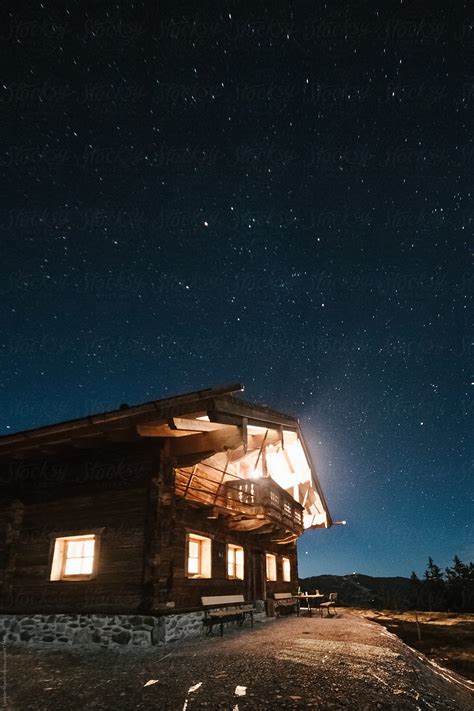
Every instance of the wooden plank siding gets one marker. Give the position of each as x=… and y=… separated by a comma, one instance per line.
x=107, y=495
x=120, y=517
x=130, y=496
x=186, y=592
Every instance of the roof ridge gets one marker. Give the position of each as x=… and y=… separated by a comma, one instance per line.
x=121, y=411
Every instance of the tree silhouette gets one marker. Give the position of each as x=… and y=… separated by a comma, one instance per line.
x=460, y=585
x=452, y=589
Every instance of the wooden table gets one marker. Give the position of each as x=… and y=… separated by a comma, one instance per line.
x=308, y=598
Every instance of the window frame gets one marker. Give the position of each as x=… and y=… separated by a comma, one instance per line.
x=268, y=576
x=58, y=557
x=287, y=560
x=235, y=547
x=204, y=556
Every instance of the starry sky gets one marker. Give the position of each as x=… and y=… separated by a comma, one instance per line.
x=276, y=195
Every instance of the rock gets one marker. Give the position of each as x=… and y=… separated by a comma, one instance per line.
x=141, y=638
x=82, y=636
x=158, y=634
x=122, y=637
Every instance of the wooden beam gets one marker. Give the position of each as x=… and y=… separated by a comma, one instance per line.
x=286, y=539
x=230, y=438
x=54, y=438
x=247, y=524
x=176, y=405
x=245, y=436
x=181, y=423
x=210, y=442
x=189, y=460
x=87, y=443
x=258, y=441
x=255, y=416
x=191, y=476
x=261, y=449
x=314, y=476
x=125, y=435
x=161, y=430
x=224, y=471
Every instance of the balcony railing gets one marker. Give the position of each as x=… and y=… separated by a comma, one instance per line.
x=258, y=505
x=264, y=498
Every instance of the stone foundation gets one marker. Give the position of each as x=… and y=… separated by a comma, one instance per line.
x=112, y=631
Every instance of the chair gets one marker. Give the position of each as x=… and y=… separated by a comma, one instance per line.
x=329, y=604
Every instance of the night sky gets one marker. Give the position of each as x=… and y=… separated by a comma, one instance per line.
x=279, y=197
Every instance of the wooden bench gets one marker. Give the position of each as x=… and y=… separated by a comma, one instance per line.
x=331, y=603
x=286, y=601
x=225, y=608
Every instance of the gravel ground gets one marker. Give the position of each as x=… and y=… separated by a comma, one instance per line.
x=293, y=663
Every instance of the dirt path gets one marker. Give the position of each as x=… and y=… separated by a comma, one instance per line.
x=343, y=662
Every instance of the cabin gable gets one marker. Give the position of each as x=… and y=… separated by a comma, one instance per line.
x=147, y=509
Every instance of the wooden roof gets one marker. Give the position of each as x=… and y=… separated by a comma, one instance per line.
x=126, y=416
x=171, y=417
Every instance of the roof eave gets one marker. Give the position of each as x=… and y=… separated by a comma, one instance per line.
x=316, y=480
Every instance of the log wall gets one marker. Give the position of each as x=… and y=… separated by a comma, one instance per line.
x=127, y=497
x=186, y=592
x=107, y=496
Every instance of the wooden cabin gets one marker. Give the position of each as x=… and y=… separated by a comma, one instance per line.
x=147, y=508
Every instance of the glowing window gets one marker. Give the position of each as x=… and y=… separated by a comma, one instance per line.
x=286, y=565
x=271, y=566
x=74, y=557
x=235, y=562
x=198, y=556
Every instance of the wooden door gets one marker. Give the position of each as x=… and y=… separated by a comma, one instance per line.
x=257, y=580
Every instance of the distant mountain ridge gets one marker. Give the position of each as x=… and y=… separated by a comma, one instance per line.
x=359, y=590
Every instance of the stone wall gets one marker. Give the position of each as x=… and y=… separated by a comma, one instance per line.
x=100, y=630
x=113, y=631
x=185, y=625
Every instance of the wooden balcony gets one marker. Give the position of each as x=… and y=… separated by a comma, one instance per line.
x=261, y=502
x=254, y=505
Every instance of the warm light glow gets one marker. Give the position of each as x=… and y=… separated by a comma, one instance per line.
x=194, y=555
x=198, y=556
x=235, y=562
x=271, y=566
x=73, y=557
x=310, y=520
x=279, y=469
x=286, y=570
x=284, y=462
x=291, y=470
